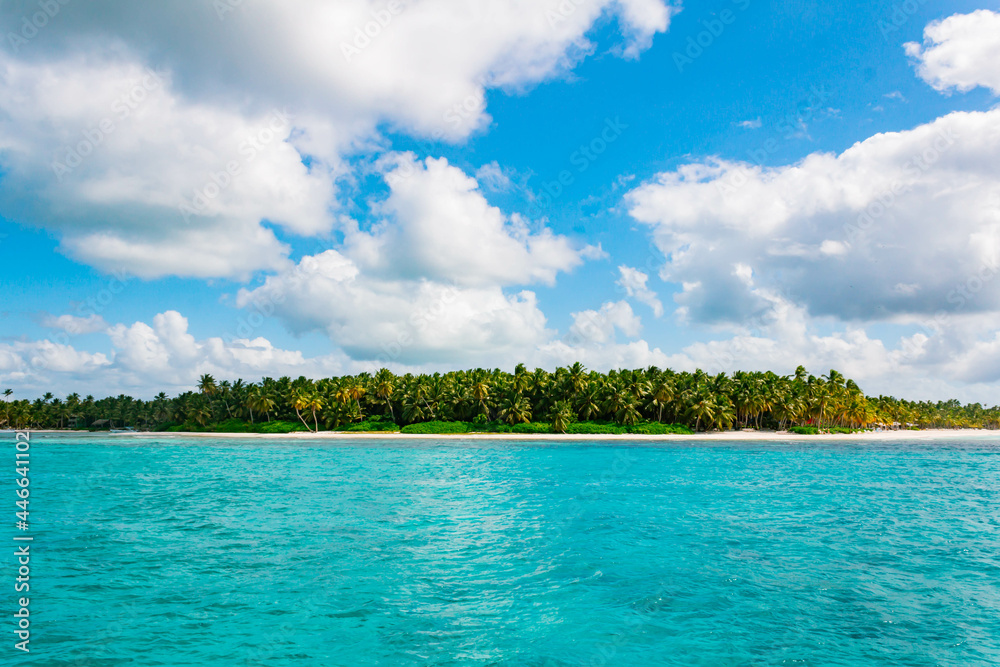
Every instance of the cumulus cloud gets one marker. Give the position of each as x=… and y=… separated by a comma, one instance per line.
x=598, y=326
x=23, y=359
x=956, y=356
x=402, y=321
x=440, y=227
x=837, y=234
x=959, y=357
x=633, y=281
x=137, y=178
x=427, y=282
x=145, y=359
x=247, y=119
x=75, y=325
x=960, y=52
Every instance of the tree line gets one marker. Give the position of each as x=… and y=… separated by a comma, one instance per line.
x=698, y=400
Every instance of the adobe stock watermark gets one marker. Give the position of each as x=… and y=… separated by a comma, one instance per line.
x=89, y=310
x=727, y=359
x=787, y=127
x=93, y=137
x=562, y=11
x=33, y=24
x=420, y=320
x=22, y=582
x=912, y=169
x=713, y=29
x=276, y=126
x=365, y=34
x=964, y=293
x=582, y=159
x=901, y=14
x=224, y=8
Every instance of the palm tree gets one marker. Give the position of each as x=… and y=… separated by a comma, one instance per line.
x=702, y=410
x=588, y=401
x=576, y=377
x=481, y=393
x=302, y=401
x=662, y=396
x=384, y=387
x=206, y=385
x=628, y=413
x=315, y=402
x=261, y=402
x=562, y=416
x=515, y=409
x=6, y=410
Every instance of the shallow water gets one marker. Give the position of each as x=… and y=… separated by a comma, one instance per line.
x=166, y=551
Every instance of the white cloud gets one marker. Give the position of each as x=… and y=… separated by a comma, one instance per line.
x=152, y=143
x=426, y=284
x=836, y=234
x=108, y=153
x=634, y=282
x=493, y=177
x=440, y=227
x=751, y=124
x=959, y=358
x=74, y=325
x=146, y=359
x=402, y=321
x=598, y=326
x=22, y=359
x=960, y=52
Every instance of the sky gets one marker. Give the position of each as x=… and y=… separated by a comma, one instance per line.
x=253, y=188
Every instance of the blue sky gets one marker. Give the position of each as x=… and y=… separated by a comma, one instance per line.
x=647, y=254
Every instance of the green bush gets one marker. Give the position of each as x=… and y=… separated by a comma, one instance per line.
x=532, y=428
x=378, y=424
x=278, y=427
x=595, y=428
x=655, y=428
x=804, y=430
x=231, y=426
x=436, y=428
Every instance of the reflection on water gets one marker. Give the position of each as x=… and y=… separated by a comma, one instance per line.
x=174, y=552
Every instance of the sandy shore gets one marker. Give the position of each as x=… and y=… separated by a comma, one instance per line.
x=773, y=436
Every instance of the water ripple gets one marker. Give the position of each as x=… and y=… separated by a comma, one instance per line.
x=163, y=551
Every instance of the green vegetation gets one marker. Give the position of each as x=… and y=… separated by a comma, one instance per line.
x=568, y=400
x=437, y=427
x=235, y=426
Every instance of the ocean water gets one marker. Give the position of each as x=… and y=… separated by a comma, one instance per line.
x=166, y=551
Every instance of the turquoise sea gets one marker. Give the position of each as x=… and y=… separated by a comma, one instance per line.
x=168, y=551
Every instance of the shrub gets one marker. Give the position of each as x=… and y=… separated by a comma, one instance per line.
x=231, y=426
x=804, y=430
x=532, y=428
x=595, y=428
x=278, y=427
x=436, y=428
x=379, y=424
x=655, y=428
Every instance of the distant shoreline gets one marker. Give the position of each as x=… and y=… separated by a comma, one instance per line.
x=746, y=436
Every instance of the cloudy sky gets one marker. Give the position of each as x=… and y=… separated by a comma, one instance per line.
x=306, y=187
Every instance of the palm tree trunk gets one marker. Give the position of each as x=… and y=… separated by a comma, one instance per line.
x=302, y=420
